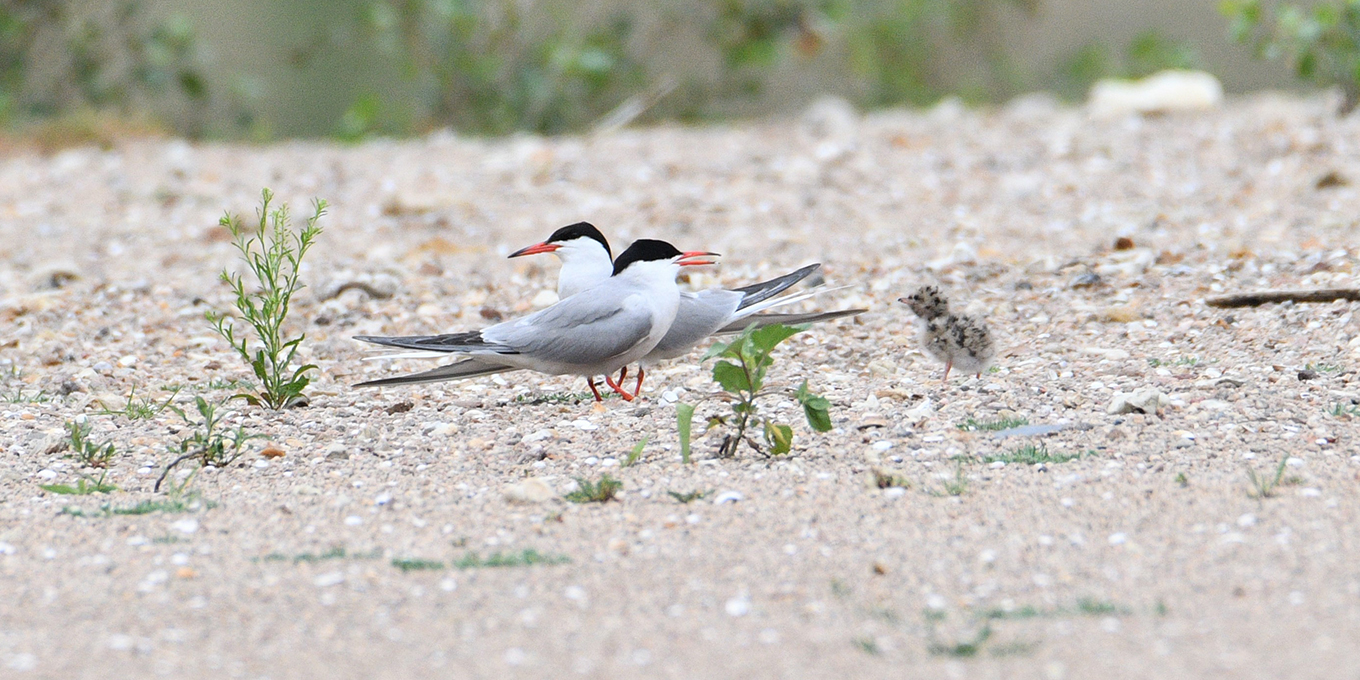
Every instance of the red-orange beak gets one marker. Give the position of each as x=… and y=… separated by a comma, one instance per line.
x=696, y=254
x=536, y=249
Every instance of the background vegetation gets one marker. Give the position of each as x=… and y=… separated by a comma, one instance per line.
x=353, y=68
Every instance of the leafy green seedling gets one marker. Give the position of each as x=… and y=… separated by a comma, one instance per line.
x=635, y=453
x=1264, y=486
x=603, y=491
x=1321, y=41
x=207, y=443
x=525, y=558
x=740, y=372
x=273, y=253
x=972, y=425
x=417, y=564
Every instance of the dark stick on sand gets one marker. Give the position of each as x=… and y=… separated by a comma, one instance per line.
x=1266, y=297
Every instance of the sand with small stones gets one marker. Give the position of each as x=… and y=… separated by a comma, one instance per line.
x=1144, y=557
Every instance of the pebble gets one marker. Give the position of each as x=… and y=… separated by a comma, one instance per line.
x=1147, y=400
x=185, y=526
x=328, y=579
x=529, y=490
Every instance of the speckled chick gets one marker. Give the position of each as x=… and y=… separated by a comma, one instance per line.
x=955, y=339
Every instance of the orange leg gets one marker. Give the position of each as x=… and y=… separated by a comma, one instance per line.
x=948, y=365
x=609, y=380
x=638, y=388
x=591, y=382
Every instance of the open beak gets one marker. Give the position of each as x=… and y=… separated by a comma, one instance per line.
x=535, y=249
x=704, y=258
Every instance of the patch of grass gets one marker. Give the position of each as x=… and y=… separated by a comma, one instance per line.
x=740, y=373
x=1340, y=410
x=1025, y=612
x=887, y=480
x=1264, y=486
x=524, y=558
x=18, y=397
x=84, y=487
x=334, y=553
x=1324, y=368
x=1093, y=607
x=972, y=425
x=1318, y=40
x=140, y=409
x=417, y=565
x=688, y=497
x=1182, y=480
x=868, y=645
x=190, y=503
x=1178, y=361
x=636, y=452
x=1029, y=454
x=226, y=384
x=1017, y=648
x=168, y=539
x=273, y=253
x=957, y=486
x=561, y=398
x=603, y=491
x=963, y=649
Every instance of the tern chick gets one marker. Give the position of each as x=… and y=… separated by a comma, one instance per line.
x=955, y=339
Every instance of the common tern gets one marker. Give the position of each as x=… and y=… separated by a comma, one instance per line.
x=585, y=254
x=955, y=339
x=618, y=322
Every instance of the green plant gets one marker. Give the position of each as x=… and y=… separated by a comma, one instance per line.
x=1263, y=486
x=84, y=486
x=1030, y=454
x=972, y=425
x=488, y=67
x=1182, y=480
x=524, y=558
x=602, y=491
x=141, y=409
x=18, y=397
x=274, y=255
x=417, y=565
x=957, y=486
x=1341, y=410
x=206, y=443
x=635, y=453
x=1321, y=42
x=688, y=497
x=964, y=648
x=868, y=645
x=741, y=374
x=85, y=452
x=1147, y=53
x=1323, y=368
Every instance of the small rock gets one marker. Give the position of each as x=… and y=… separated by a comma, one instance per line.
x=1147, y=400
x=530, y=490
x=273, y=451
x=1111, y=354
x=337, y=451
x=738, y=606
x=1123, y=243
x=1085, y=280
x=894, y=492
x=1120, y=314
x=920, y=412
x=1308, y=374
x=872, y=421
x=328, y=579
x=399, y=407
x=1167, y=91
x=185, y=526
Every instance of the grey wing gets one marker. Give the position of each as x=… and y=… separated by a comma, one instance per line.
x=581, y=330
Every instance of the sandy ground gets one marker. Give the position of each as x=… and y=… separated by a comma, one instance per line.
x=1144, y=557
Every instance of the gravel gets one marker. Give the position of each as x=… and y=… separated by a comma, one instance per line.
x=1145, y=557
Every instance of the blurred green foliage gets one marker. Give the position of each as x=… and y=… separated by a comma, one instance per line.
x=1321, y=42
x=1148, y=53
x=59, y=57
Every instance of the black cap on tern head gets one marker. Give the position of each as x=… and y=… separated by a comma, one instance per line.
x=645, y=250
x=572, y=232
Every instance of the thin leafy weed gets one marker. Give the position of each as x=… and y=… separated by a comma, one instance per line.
x=957, y=486
x=524, y=558
x=207, y=444
x=603, y=491
x=963, y=649
x=1342, y=410
x=417, y=564
x=18, y=397
x=740, y=372
x=972, y=425
x=143, y=408
x=1264, y=486
x=1029, y=454
x=87, y=454
x=868, y=645
x=273, y=253
x=635, y=453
